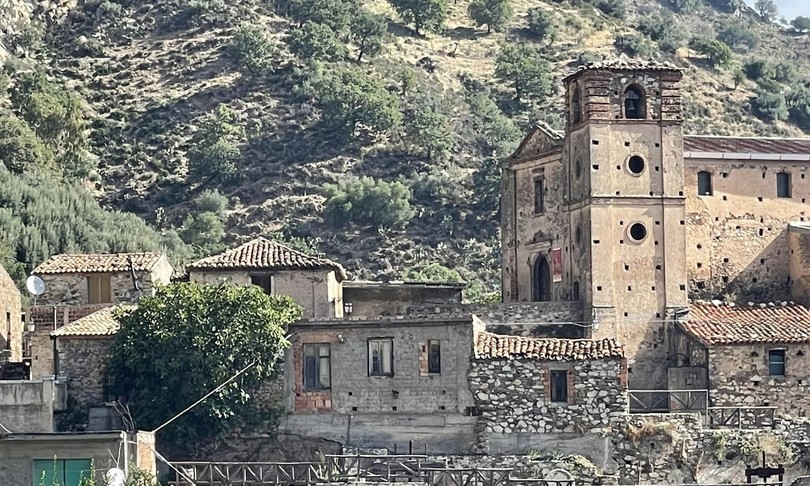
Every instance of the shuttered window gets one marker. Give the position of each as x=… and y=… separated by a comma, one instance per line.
x=99, y=289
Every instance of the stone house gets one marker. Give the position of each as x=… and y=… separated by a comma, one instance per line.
x=312, y=282
x=534, y=393
x=628, y=216
x=395, y=298
x=747, y=355
x=79, y=285
x=11, y=330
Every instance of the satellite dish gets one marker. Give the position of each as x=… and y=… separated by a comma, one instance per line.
x=115, y=477
x=35, y=285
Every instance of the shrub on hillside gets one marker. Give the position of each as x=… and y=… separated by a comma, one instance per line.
x=541, y=25
x=770, y=106
x=684, y=6
x=427, y=127
x=759, y=69
x=425, y=15
x=316, y=42
x=766, y=9
x=717, y=52
x=216, y=152
x=204, y=232
x=368, y=31
x=349, y=97
x=432, y=272
x=526, y=70
x=211, y=201
x=664, y=30
x=364, y=200
x=634, y=45
x=798, y=102
x=253, y=51
x=613, y=8
x=737, y=33
x=495, y=14
x=801, y=24
x=337, y=14
x=21, y=150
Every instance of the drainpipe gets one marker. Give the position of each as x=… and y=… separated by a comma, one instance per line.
x=514, y=276
x=55, y=358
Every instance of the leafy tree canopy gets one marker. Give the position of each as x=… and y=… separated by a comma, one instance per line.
x=432, y=272
x=495, y=14
x=801, y=24
x=189, y=338
x=770, y=106
x=425, y=15
x=367, y=31
x=21, y=149
x=799, y=107
x=316, y=42
x=216, y=151
x=767, y=9
x=337, y=14
x=717, y=52
x=541, y=24
x=526, y=70
x=738, y=33
x=427, y=127
x=253, y=51
x=365, y=200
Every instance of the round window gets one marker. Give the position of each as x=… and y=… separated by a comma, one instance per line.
x=638, y=231
x=636, y=164
x=578, y=168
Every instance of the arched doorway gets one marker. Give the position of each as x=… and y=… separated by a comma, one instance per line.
x=541, y=280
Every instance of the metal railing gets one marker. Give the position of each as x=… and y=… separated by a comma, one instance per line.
x=668, y=401
x=741, y=417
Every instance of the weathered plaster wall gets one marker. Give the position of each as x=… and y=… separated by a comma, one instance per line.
x=514, y=397
x=11, y=329
x=83, y=361
x=317, y=291
x=738, y=237
x=799, y=243
x=382, y=300
x=738, y=376
x=72, y=288
x=27, y=406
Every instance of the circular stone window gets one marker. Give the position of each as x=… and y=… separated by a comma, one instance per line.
x=636, y=164
x=637, y=232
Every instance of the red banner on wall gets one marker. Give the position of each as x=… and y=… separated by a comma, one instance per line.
x=556, y=265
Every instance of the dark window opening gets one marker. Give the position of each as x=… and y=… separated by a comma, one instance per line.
x=578, y=235
x=317, y=367
x=576, y=291
x=542, y=280
x=636, y=164
x=634, y=103
x=578, y=168
x=112, y=388
x=783, y=188
x=264, y=282
x=576, y=107
x=434, y=357
x=704, y=181
x=638, y=231
x=539, y=203
x=776, y=362
x=381, y=357
x=559, y=386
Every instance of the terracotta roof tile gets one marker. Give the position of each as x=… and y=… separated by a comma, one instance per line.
x=624, y=64
x=98, y=262
x=99, y=323
x=753, y=145
x=264, y=254
x=763, y=323
x=494, y=346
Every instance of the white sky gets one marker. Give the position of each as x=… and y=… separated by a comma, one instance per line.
x=790, y=9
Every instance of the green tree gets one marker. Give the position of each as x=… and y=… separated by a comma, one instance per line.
x=349, y=97
x=316, y=42
x=487, y=183
x=664, y=30
x=738, y=76
x=204, y=233
x=367, y=31
x=541, y=24
x=766, y=9
x=427, y=127
x=526, y=70
x=186, y=340
x=216, y=150
x=684, y=6
x=495, y=14
x=428, y=15
x=613, y=8
x=785, y=72
x=432, y=272
x=337, y=14
x=253, y=51
x=758, y=69
x=634, y=45
x=801, y=24
x=20, y=148
x=211, y=201
x=738, y=33
x=770, y=106
x=798, y=102
x=365, y=200
x=717, y=52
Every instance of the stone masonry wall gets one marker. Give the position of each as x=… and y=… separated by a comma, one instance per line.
x=71, y=288
x=83, y=361
x=10, y=325
x=739, y=376
x=514, y=397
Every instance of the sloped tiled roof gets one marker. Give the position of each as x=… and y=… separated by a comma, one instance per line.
x=99, y=323
x=625, y=64
x=717, y=324
x=264, y=254
x=495, y=346
x=742, y=145
x=97, y=262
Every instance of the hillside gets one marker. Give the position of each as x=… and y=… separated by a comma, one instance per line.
x=152, y=76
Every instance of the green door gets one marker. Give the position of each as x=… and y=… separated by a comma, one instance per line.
x=60, y=472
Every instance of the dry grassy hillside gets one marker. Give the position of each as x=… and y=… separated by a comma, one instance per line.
x=151, y=72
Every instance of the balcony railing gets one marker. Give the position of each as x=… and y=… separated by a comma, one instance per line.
x=741, y=418
x=668, y=401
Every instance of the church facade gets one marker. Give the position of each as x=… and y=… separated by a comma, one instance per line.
x=628, y=216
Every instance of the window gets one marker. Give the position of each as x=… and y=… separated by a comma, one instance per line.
x=381, y=357
x=704, y=181
x=635, y=164
x=776, y=362
x=66, y=472
x=576, y=291
x=539, y=189
x=783, y=184
x=430, y=357
x=634, y=103
x=112, y=388
x=576, y=107
x=637, y=232
x=7, y=335
x=317, y=367
x=265, y=282
x=559, y=386
x=99, y=289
